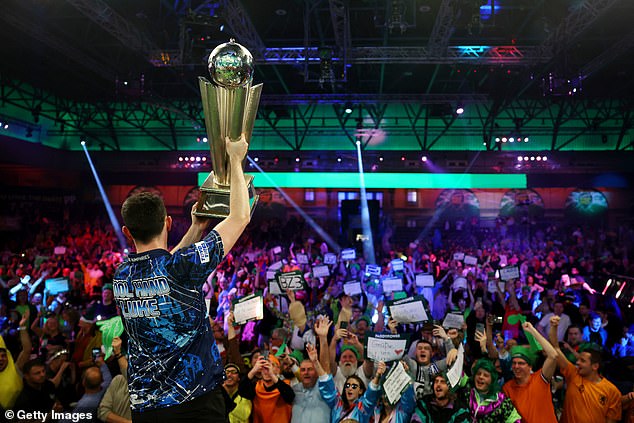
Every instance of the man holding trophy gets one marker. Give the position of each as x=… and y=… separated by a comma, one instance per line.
x=175, y=371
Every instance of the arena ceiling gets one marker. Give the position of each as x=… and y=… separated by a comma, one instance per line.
x=391, y=73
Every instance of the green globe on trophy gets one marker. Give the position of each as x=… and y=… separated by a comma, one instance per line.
x=230, y=105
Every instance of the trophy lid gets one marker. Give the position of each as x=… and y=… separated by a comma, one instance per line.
x=231, y=65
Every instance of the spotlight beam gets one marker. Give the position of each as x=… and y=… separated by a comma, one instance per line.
x=329, y=241
x=113, y=219
x=368, y=246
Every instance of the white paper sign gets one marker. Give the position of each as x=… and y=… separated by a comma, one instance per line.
x=373, y=269
x=508, y=273
x=302, y=258
x=396, y=382
x=330, y=258
x=270, y=274
x=276, y=266
x=277, y=250
x=386, y=347
x=59, y=250
x=397, y=265
x=458, y=256
x=470, y=260
x=56, y=285
x=274, y=288
x=392, y=284
x=348, y=254
x=503, y=260
x=492, y=288
x=455, y=372
x=424, y=280
x=459, y=283
x=321, y=271
x=248, y=308
x=352, y=288
x=408, y=310
x=453, y=320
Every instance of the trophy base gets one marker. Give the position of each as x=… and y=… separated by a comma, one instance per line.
x=214, y=198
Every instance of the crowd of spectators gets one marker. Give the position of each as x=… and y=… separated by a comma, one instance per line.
x=305, y=359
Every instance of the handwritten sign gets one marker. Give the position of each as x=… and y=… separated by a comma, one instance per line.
x=373, y=269
x=352, y=288
x=453, y=320
x=397, y=265
x=424, y=280
x=302, y=258
x=508, y=273
x=455, y=372
x=396, y=382
x=291, y=280
x=386, y=347
x=248, y=308
x=392, y=284
x=348, y=254
x=330, y=258
x=470, y=260
x=458, y=256
x=321, y=271
x=408, y=310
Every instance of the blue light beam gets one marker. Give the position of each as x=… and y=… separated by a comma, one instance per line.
x=329, y=241
x=368, y=245
x=113, y=219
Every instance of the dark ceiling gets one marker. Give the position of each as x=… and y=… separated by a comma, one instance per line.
x=500, y=54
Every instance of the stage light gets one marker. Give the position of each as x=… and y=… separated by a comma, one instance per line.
x=525, y=139
x=204, y=159
x=497, y=139
x=380, y=158
x=338, y=159
x=197, y=158
x=503, y=139
x=180, y=159
x=197, y=139
x=256, y=159
x=186, y=159
x=525, y=158
x=82, y=142
x=6, y=126
x=205, y=139
x=297, y=159
x=538, y=158
x=348, y=110
x=511, y=139
x=460, y=110
x=402, y=158
x=532, y=158
x=519, y=158
x=424, y=158
x=192, y=158
x=544, y=158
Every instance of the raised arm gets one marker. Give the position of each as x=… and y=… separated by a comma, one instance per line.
x=25, y=340
x=195, y=231
x=239, y=216
x=548, y=369
x=322, y=325
x=562, y=361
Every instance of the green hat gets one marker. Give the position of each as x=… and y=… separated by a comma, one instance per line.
x=366, y=318
x=487, y=365
x=524, y=353
x=353, y=349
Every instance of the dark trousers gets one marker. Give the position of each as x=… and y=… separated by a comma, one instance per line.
x=208, y=408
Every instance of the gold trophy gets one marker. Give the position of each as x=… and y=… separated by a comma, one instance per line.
x=230, y=105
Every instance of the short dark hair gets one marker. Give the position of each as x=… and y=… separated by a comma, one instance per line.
x=36, y=362
x=144, y=216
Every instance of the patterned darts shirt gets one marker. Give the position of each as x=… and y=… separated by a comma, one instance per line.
x=173, y=357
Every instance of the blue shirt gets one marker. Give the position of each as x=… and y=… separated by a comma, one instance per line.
x=309, y=406
x=173, y=357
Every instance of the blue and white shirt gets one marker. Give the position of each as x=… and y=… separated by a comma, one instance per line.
x=173, y=357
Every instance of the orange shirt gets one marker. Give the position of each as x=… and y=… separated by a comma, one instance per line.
x=589, y=402
x=533, y=401
x=269, y=407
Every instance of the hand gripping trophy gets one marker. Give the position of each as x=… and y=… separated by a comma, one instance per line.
x=230, y=105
